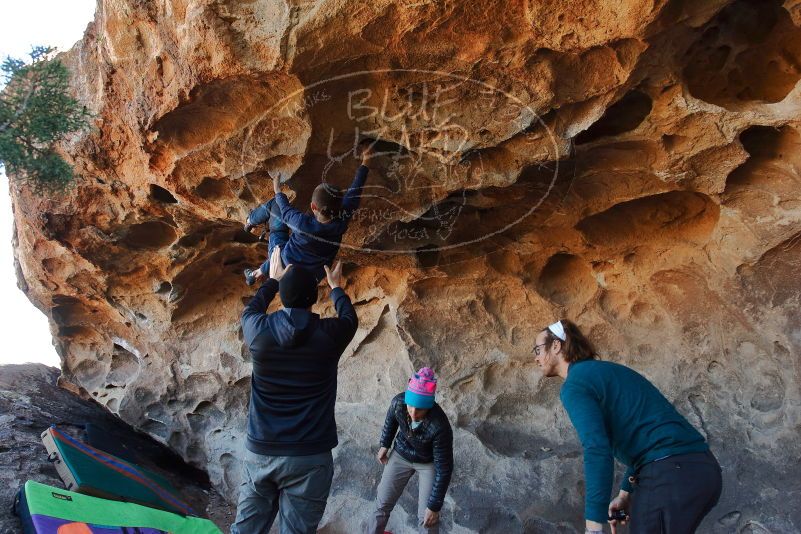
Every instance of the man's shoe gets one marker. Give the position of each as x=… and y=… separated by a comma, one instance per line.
x=250, y=278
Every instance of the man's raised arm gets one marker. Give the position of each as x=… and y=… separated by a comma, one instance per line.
x=254, y=316
x=348, y=321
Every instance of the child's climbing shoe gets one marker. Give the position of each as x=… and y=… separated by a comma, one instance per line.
x=263, y=236
x=250, y=278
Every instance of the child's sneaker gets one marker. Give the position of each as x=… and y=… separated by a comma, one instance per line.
x=250, y=278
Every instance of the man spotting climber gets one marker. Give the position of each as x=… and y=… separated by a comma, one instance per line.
x=316, y=237
x=288, y=466
x=672, y=481
x=423, y=445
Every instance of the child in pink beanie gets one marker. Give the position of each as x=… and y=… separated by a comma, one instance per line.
x=422, y=389
x=421, y=441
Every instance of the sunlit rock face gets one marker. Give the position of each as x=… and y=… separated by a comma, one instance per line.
x=633, y=166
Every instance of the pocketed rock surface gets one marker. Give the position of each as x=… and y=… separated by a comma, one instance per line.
x=633, y=166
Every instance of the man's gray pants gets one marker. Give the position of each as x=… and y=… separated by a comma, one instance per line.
x=295, y=487
x=396, y=475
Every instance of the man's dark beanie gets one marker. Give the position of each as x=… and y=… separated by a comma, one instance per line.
x=298, y=288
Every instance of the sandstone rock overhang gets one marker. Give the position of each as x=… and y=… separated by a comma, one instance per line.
x=631, y=165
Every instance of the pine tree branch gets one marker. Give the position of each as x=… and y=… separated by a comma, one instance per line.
x=22, y=108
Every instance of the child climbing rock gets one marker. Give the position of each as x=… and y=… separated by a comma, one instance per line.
x=315, y=238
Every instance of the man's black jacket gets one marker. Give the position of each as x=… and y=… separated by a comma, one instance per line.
x=431, y=441
x=294, y=380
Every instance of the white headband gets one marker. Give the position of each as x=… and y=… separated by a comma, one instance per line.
x=558, y=330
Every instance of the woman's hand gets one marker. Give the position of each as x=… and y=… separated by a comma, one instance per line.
x=431, y=518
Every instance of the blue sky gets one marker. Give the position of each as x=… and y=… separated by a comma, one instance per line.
x=60, y=23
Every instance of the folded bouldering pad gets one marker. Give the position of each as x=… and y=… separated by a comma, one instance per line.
x=90, y=471
x=48, y=510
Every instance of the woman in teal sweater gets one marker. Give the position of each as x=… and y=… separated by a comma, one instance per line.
x=672, y=481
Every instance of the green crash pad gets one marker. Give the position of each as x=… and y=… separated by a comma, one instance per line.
x=93, y=472
x=48, y=510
